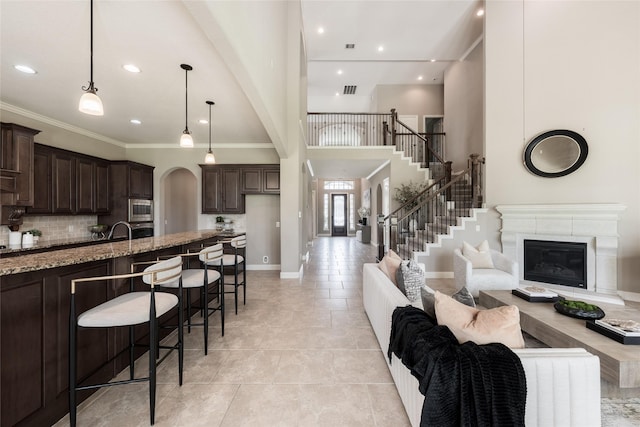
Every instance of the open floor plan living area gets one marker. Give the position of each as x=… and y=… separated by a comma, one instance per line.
x=302, y=213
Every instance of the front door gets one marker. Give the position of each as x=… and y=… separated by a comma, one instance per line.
x=338, y=214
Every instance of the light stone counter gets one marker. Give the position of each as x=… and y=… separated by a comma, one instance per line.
x=99, y=251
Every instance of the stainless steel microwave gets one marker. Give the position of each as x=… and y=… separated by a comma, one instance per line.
x=140, y=210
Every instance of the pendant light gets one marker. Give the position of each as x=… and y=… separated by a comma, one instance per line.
x=186, y=140
x=210, y=158
x=90, y=103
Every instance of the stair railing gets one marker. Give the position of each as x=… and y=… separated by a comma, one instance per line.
x=423, y=148
x=430, y=213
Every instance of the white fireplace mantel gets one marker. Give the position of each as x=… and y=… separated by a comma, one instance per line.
x=590, y=223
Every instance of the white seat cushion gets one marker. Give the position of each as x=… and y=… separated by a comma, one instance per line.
x=194, y=277
x=230, y=259
x=128, y=309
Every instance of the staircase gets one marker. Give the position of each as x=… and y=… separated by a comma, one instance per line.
x=451, y=198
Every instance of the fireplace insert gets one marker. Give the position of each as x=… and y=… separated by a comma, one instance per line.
x=560, y=263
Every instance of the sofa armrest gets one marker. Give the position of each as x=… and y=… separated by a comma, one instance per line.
x=502, y=262
x=462, y=269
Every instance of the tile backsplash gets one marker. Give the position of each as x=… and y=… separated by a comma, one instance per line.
x=54, y=227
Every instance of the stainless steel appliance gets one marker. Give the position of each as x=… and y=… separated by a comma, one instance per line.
x=140, y=210
x=141, y=229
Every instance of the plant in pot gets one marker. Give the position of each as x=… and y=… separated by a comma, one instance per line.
x=219, y=222
x=405, y=195
x=36, y=234
x=364, y=212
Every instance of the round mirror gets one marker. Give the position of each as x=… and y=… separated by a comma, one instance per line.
x=555, y=153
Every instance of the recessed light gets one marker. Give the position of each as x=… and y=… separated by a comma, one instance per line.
x=480, y=12
x=320, y=30
x=380, y=48
x=25, y=69
x=419, y=77
x=433, y=60
x=339, y=71
x=203, y=121
x=131, y=68
x=337, y=93
x=135, y=121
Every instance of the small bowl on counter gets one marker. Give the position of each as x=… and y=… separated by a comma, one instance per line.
x=98, y=231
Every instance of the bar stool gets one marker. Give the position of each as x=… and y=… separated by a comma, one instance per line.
x=237, y=260
x=129, y=309
x=202, y=278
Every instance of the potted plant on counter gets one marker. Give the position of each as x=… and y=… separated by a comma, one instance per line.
x=36, y=234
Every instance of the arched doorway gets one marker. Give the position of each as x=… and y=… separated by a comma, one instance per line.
x=180, y=202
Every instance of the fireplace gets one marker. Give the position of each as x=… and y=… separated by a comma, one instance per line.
x=594, y=225
x=559, y=263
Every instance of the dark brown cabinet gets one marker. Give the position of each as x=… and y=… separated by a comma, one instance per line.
x=251, y=180
x=63, y=182
x=69, y=183
x=211, y=188
x=224, y=186
x=221, y=189
x=140, y=181
x=16, y=165
x=42, y=189
x=232, y=199
x=102, y=187
x=271, y=180
x=260, y=179
x=127, y=180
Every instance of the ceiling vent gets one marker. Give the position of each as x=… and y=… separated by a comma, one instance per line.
x=350, y=90
x=350, y=46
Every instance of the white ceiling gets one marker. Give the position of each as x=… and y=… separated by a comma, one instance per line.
x=52, y=36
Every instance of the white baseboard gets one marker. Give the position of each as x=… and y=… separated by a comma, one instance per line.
x=292, y=275
x=438, y=275
x=630, y=296
x=263, y=266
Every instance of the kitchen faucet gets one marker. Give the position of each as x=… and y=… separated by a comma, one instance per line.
x=114, y=227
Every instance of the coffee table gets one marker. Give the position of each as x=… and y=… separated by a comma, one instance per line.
x=619, y=363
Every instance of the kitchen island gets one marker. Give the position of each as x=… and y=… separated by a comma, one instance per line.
x=34, y=303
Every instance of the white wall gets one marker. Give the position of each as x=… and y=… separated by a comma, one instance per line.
x=567, y=65
x=463, y=108
x=419, y=100
x=263, y=237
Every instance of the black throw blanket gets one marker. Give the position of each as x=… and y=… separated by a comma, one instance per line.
x=463, y=385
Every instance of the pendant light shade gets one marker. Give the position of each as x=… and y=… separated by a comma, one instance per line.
x=186, y=140
x=90, y=103
x=209, y=158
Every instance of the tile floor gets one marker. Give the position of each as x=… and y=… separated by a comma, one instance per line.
x=299, y=353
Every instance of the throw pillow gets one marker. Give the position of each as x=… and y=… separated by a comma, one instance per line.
x=412, y=278
x=390, y=264
x=480, y=257
x=465, y=297
x=500, y=324
x=428, y=301
x=400, y=280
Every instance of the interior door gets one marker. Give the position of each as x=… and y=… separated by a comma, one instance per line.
x=338, y=214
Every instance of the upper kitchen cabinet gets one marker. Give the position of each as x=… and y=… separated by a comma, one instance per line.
x=221, y=189
x=127, y=180
x=66, y=182
x=16, y=165
x=140, y=181
x=224, y=186
x=271, y=180
x=260, y=179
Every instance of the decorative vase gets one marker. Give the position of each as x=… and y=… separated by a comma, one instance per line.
x=364, y=221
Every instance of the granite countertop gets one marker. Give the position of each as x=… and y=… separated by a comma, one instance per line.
x=49, y=244
x=99, y=251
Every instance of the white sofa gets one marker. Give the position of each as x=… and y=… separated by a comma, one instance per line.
x=563, y=385
x=503, y=276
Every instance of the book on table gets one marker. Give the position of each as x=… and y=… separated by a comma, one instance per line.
x=614, y=332
x=535, y=294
